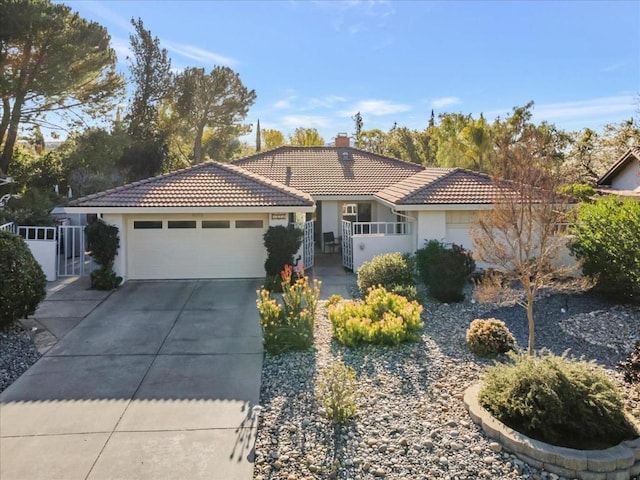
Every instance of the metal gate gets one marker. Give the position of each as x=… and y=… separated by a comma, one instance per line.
x=347, y=244
x=308, y=244
x=73, y=259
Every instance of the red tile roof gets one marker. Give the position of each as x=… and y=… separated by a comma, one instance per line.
x=437, y=186
x=329, y=170
x=209, y=184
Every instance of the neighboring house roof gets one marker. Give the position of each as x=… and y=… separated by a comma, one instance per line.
x=210, y=184
x=629, y=156
x=329, y=171
x=437, y=186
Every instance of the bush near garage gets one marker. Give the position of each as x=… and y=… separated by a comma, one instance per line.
x=444, y=269
x=390, y=270
x=282, y=243
x=289, y=325
x=104, y=243
x=23, y=284
x=557, y=400
x=383, y=318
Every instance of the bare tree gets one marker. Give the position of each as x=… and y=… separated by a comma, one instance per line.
x=520, y=236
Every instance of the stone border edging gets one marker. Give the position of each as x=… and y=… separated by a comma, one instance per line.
x=616, y=463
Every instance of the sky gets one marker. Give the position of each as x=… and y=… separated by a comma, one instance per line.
x=317, y=63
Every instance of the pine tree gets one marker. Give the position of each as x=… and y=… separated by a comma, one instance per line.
x=258, y=139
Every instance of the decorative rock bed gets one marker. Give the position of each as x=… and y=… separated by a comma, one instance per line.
x=620, y=462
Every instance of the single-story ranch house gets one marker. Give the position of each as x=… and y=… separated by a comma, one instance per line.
x=207, y=221
x=623, y=178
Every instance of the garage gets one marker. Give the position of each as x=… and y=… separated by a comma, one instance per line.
x=190, y=246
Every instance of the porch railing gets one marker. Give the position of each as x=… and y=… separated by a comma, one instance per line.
x=11, y=227
x=382, y=228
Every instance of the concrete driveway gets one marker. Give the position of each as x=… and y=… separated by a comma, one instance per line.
x=156, y=382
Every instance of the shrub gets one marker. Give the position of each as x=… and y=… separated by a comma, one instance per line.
x=104, y=243
x=289, y=325
x=282, y=243
x=386, y=270
x=489, y=337
x=22, y=281
x=407, y=291
x=333, y=300
x=631, y=366
x=337, y=392
x=612, y=260
x=383, y=318
x=444, y=269
x=564, y=402
x=580, y=191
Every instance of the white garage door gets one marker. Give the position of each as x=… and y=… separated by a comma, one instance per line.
x=178, y=246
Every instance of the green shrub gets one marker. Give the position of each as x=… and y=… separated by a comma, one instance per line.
x=559, y=401
x=631, y=366
x=386, y=270
x=444, y=269
x=334, y=299
x=104, y=243
x=490, y=337
x=580, y=191
x=22, y=283
x=337, y=391
x=289, y=325
x=607, y=240
x=407, y=291
x=383, y=318
x=282, y=243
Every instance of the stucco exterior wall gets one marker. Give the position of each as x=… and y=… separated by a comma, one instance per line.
x=628, y=178
x=431, y=226
x=365, y=247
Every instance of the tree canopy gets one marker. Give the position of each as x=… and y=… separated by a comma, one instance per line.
x=51, y=60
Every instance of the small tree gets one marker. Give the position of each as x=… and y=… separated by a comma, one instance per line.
x=104, y=243
x=282, y=243
x=22, y=282
x=519, y=236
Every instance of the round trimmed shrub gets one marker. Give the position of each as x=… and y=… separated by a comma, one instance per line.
x=444, y=269
x=556, y=400
x=490, y=337
x=388, y=271
x=22, y=282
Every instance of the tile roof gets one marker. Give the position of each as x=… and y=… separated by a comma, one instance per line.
x=329, y=170
x=437, y=186
x=209, y=184
x=627, y=157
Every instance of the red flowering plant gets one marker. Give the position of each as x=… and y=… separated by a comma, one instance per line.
x=289, y=325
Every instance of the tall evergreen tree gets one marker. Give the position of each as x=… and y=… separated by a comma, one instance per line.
x=258, y=139
x=357, y=119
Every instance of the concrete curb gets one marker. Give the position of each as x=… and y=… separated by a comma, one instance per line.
x=616, y=463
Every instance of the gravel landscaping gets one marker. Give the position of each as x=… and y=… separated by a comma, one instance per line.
x=411, y=421
x=17, y=354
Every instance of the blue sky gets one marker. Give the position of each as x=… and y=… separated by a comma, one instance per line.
x=316, y=63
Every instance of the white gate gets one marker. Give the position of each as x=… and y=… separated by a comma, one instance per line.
x=73, y=259
x=308, y=244
x=347, y=244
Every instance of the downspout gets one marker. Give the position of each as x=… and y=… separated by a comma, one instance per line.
x=411, y=219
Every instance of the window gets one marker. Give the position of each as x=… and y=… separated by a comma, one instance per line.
x=182, y=224
x=147, y=224
x=216, y=224
x=249, y=224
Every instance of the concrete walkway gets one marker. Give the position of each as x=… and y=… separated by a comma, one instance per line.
x=157, y=380
x=335, y=279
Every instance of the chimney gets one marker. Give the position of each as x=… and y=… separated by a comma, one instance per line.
x=342, y=140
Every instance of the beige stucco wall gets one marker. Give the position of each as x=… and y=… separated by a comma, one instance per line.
x=628, y=178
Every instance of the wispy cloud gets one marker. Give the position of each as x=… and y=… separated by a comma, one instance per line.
x=327, y=101
x=307, y=121
x=100, y=10
x=613, y=67
x=199, y=54
x=376, y=108
x=597, y=107
x=445, y=102
x=122, y=48
x=356, y=16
